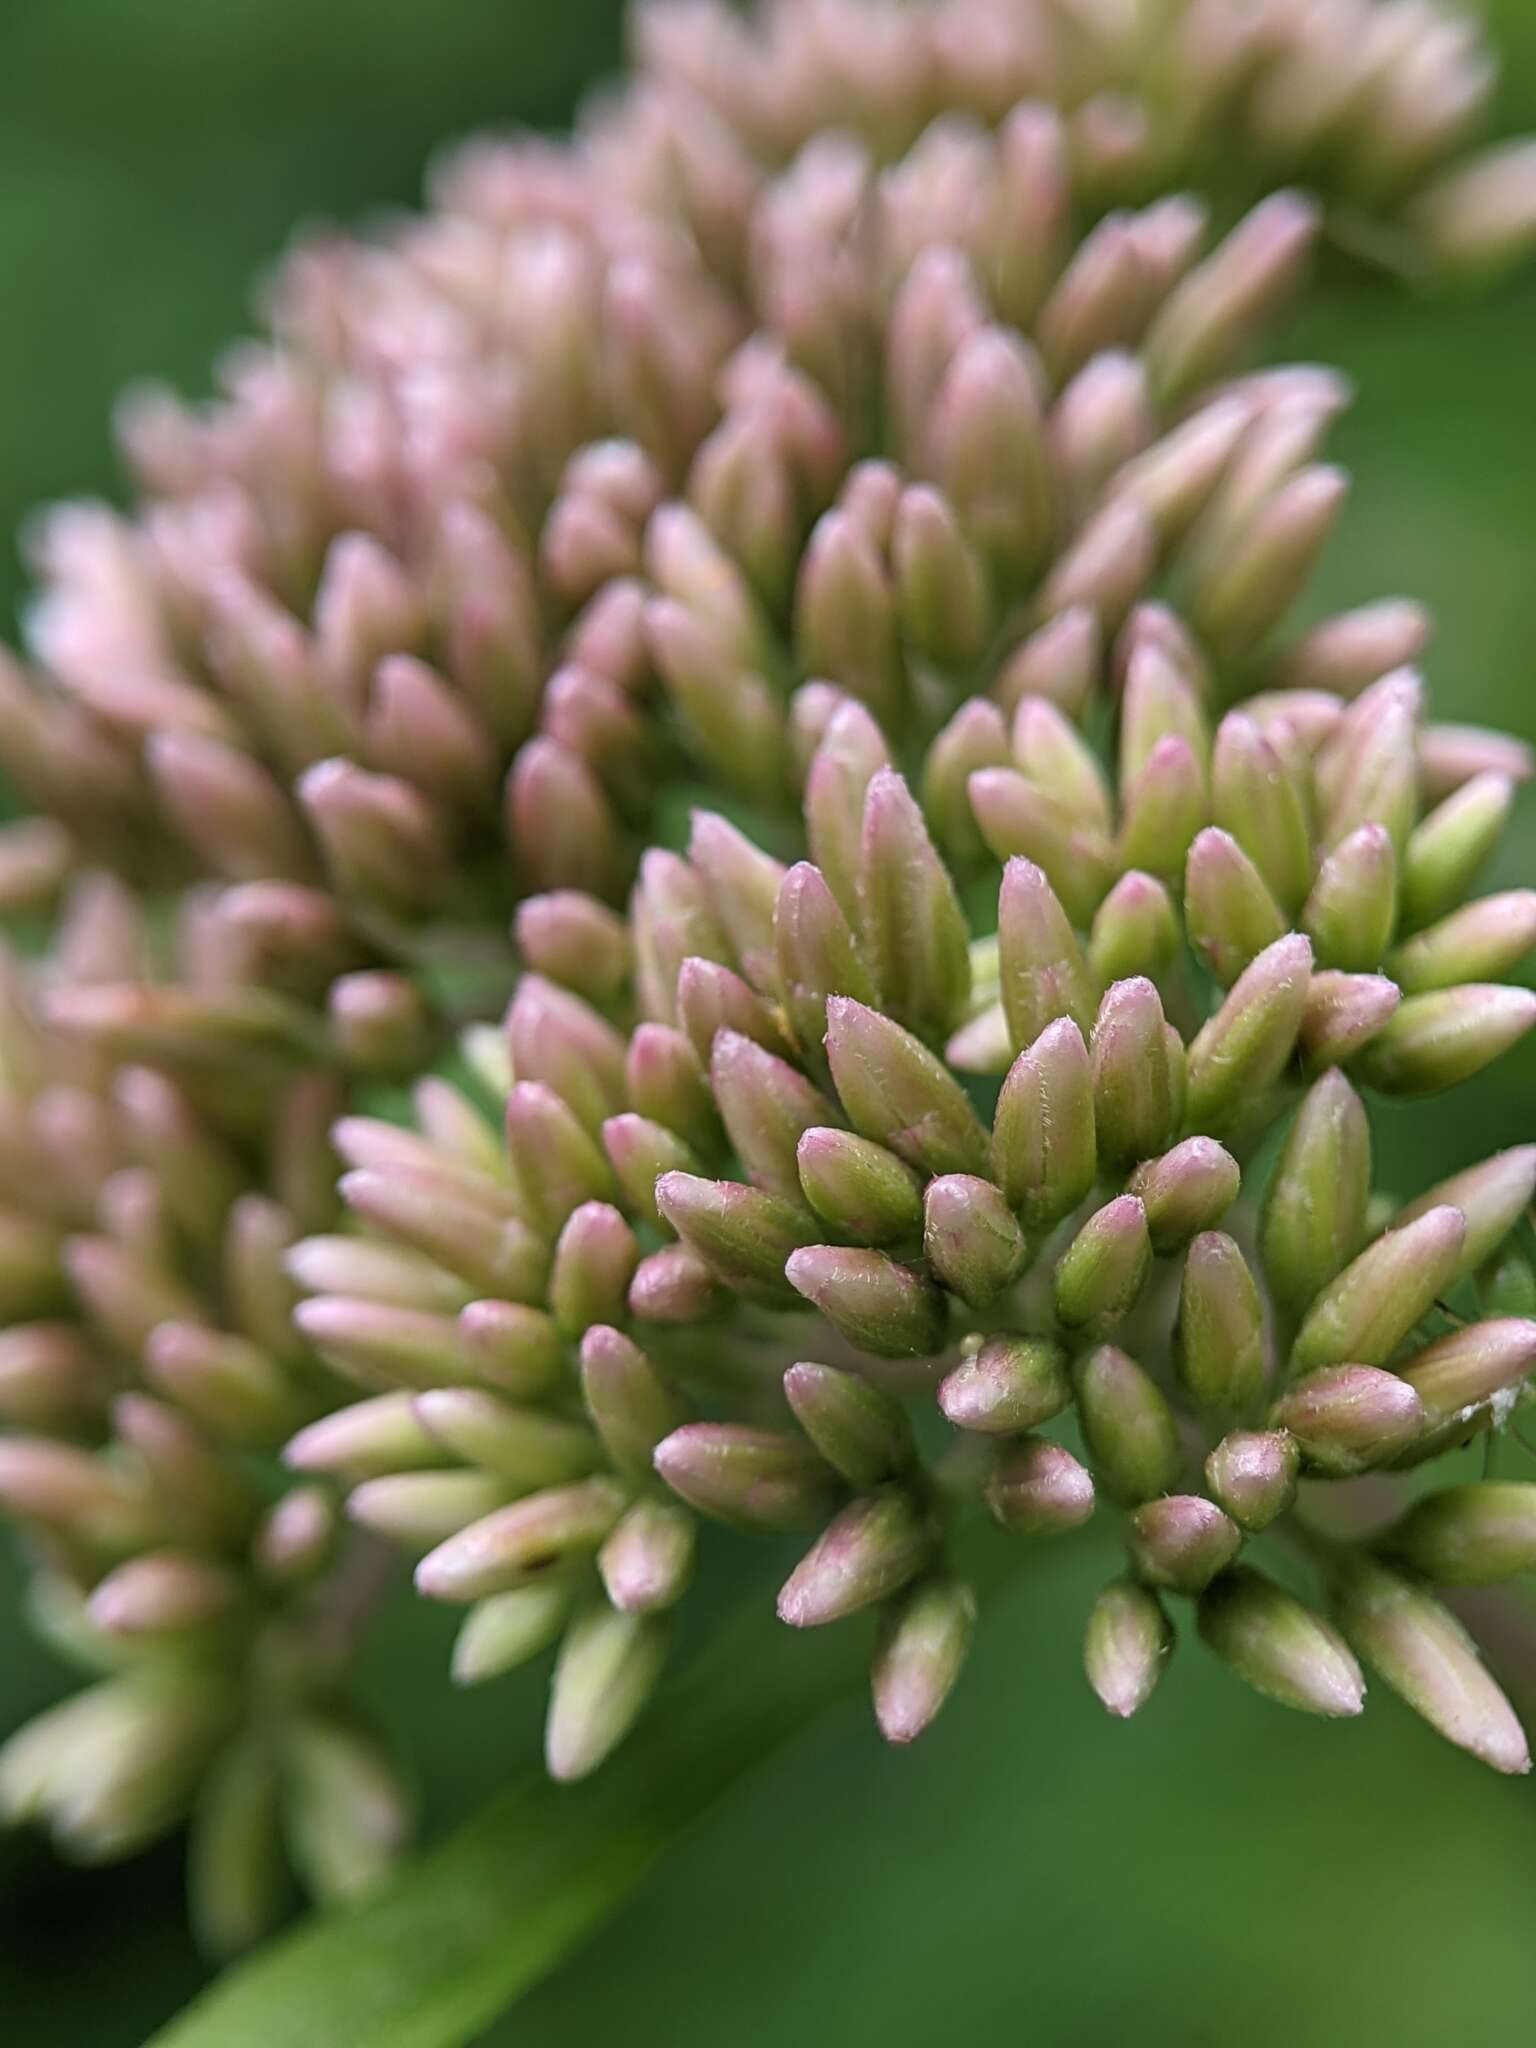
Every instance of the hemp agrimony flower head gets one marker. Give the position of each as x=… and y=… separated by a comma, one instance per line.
x=1094, y=1254
x=856, y=432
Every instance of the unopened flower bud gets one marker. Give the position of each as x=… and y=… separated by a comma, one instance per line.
x=1127, y=1424
x=1037, y=1488
x=1420, y=1649
x=1252, y=1474
x=1243, y=1049
x=744, y=1235
x=646, y=1563
x=1099, y=1277
x=1137, y=1074
x=1008, y=1385
x=1279, y=1647
x=514, y=1544
x=865, y=1554
x=1352, y=909
x=1349, y=1418
x=1435, y=1041
x=1182, y=1541
x=972, y=1242
x=860, y=1430
x=1366, y=1312
x=755, y=1478
x=607, y=1669
x=897, y=1093
x=925, y=1633
x=1229, y=914
x=1135, y=931
x=508, y=1629
x=1126, y=1648
x=1220, y=1338
x=1185, y=1191
x=1471, y=1365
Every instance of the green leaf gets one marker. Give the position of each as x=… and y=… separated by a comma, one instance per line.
x=466, y=1928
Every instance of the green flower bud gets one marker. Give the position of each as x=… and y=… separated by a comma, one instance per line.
x=420, y=1510
x=765, y=1105
x=521, y=1445
x=758, y=1478
x=640, y=1151
x=896, y=1092
x=1492, y=1197
x=1162, y=811
x=515, y=1348
x=910, y=920
x=1099, y=1277
x=1042, y=973
x=857, y=1188
x=1279, y=1647
x=1185, y=1191
x=1348, y=1418
x=865, y=1554
x=1344, y=1013
x=1469, y=1535
x=1444, y=853
x=366, y=1440
x=971, y=1241
x=515, y=1544
x=859, y=1429
x=1008, y=1385
x=1472, y=1365
x=1367, y=1311
x=1314, y=1216
x=1220, y=1338
x=627, y=1401
x=1426, y=1656
x=1019, y=820
x=817, y=954
x=1135, y=930
x=1044, y=1145
x=235, y=1876
x=666, y=1082
x=1182, y=1541
x=1050, y=752
x=1436, y=1041
x=925, y=1633
x=163, y=1594
x=1229, y=913
x=607, y=1669
x=348, y=1816
x=939, y=585
x=1351, y=912
x=1127, y=1424
x=1367, y=772
x=742, y=883
x=1137, y=1073
x=1252, y=1474
x=1244, y=1048
x=1037, y=1488
x=881, y=1307
x=1483, y=941
x=508, y=1629
x=1126, y=1648
x=1260, y=804
x=595, y=1260
x=743, y=1235
x=647, y=1561
x=975, y=738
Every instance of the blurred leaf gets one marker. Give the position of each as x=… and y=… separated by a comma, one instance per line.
x=466, y=1929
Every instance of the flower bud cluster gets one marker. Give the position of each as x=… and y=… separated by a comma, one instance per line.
x=786, y=604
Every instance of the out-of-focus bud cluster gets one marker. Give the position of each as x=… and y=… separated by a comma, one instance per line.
x=857, y=433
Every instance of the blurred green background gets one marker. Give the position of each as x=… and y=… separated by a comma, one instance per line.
x=1218, y=1872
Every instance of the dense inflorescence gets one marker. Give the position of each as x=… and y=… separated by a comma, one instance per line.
x=787, y=604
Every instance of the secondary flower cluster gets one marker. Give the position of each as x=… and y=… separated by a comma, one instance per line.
x=855, y=434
